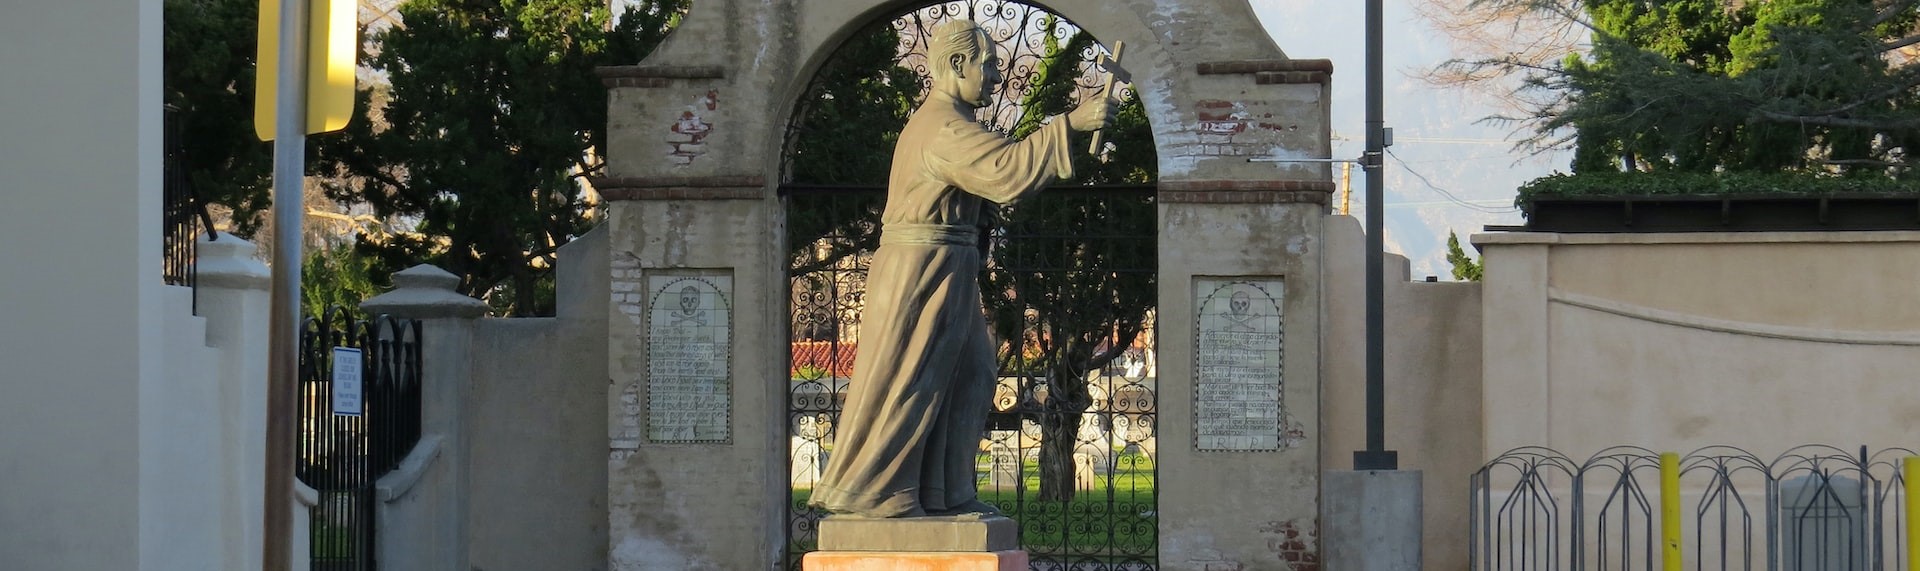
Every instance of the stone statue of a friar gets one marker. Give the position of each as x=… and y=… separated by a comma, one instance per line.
x=924, y=377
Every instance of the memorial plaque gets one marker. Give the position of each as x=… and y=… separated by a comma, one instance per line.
x=689, y=358
x=1236, y=365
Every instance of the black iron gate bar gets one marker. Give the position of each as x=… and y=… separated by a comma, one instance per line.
x=341, y=457
x=1108, y=517
x=182, y=214
x=1812, y=507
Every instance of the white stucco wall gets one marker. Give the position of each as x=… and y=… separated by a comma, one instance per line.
x=79, y=235
x=129, y=427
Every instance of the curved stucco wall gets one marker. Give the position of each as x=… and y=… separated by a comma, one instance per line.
x=1861, y=285
x=1624, y=379
x=1762, y=341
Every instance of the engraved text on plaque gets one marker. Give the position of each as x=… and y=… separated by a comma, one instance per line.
x=689, y=353
x=1236, y=364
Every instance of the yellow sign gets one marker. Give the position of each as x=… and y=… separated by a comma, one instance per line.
x=332, y=35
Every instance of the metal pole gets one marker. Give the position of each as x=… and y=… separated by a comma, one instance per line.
x=1376, y=456
x=289, y=174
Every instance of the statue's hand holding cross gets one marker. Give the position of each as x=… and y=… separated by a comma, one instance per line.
x=1111, y=64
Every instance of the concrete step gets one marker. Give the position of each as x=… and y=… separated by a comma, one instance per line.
x=177, y=305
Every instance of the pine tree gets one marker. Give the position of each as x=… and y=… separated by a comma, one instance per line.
x=1464, y=267
x=207, y=73
x=490, y=117
x=1086, y=313
x=1825, y=86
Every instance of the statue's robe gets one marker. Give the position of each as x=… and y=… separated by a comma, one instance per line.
x=924, y=377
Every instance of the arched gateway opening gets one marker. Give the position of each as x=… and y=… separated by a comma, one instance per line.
x=1131, y=391
x=1069, y=285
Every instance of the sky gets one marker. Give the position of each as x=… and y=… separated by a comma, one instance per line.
x=1472, y=167
x=1438, y=132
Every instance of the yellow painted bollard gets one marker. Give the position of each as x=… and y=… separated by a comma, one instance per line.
x=1670, y=512
x=1910, y=476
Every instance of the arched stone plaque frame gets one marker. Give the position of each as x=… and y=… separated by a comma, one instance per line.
x=695, y=142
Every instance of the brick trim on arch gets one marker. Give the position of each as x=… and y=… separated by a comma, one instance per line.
x=1245, y=191
x=1273, y=71
x=1265, y=65
x=655, y=75
x=723, y=187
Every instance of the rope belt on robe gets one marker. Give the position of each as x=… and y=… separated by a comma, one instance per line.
x=928, y=235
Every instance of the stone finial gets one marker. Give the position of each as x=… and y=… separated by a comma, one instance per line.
x=228, y=262
x=425, y=292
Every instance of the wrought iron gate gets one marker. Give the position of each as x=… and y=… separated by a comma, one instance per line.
x=1811, y=508
x=341, y=456
x=1070, y=295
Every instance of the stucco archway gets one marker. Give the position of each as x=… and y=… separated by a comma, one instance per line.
x=695, y=141
x=1191, y=61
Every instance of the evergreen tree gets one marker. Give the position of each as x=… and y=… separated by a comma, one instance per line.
x=208, y=78
x=490, y=117
x=1464, y=267
x=1711, y=85
x=335, y=277
x=1080, y=315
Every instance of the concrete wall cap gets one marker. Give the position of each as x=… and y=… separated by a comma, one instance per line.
x=228, y=262
x=425, y=276
x=425, y=292
x=305, y=495
x=397, y=483
x=1556, y=238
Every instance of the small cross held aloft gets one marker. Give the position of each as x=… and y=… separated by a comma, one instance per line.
x=1109, y=63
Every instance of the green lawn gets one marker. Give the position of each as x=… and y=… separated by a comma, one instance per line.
x=1111, y=517
x=332, y=542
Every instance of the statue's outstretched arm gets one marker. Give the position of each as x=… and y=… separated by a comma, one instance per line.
x=987, y=164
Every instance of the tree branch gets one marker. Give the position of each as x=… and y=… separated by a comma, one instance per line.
x=1891, y=11
x=1900, y=43
x=1848, y=122
x=1864, y=163
x=1880, y=97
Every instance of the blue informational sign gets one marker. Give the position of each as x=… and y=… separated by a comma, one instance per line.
x=346, y=382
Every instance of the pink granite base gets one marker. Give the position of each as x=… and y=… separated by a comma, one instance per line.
x=1013, y=560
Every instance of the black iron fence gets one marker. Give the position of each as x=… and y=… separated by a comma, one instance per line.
x=1070, y=293
x=356, y=429
x=182, y=215
x=1813, y=508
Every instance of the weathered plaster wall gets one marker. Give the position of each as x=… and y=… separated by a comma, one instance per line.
x=1432, y=383
x=698, y=506
x=539, y=477
x=1222, y=509
x=1676, y=341
x=730, y=74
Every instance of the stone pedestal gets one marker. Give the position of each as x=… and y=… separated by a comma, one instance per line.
x=1372, y=519
x=1014, y=560
x=944, y=543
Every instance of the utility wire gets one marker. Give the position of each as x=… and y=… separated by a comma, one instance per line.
x=1443, y=192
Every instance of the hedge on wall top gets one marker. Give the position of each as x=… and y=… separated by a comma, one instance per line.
x=1618, y=184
